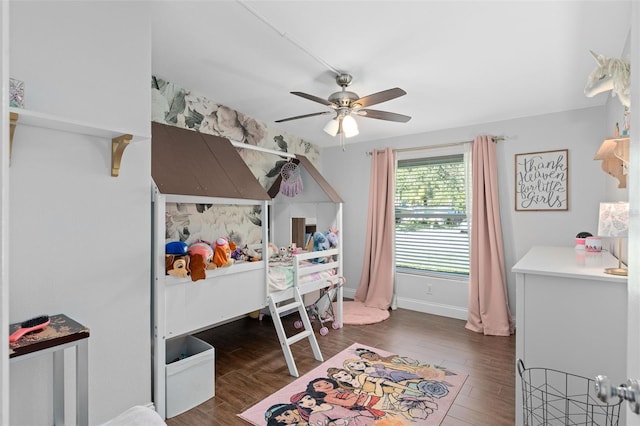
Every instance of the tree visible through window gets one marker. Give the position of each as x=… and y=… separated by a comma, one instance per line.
x=432, y=231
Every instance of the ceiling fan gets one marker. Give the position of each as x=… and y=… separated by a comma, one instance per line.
x=345, y=105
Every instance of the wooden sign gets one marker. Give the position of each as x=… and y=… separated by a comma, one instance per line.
x=542, y=181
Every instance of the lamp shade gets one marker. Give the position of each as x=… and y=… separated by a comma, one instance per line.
x=332, y=126
x=349, y=126
x=613, y=220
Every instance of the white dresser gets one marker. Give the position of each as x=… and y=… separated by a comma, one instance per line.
x=570, y=315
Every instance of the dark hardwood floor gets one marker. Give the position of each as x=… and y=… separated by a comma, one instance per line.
x=250, y=366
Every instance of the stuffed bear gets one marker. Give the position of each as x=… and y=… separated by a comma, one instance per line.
x=222, y=253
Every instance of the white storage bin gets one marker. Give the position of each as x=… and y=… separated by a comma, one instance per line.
x=190, y=374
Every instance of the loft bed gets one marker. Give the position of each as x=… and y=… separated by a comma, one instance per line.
x=317, y=208
x=190, y=168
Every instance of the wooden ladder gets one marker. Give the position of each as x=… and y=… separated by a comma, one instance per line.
x=307, y=330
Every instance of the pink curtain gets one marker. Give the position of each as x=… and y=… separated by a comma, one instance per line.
x=488, y=302
x=376, y=282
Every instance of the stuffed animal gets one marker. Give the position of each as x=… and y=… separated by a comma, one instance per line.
x=283, y=252
x=332, y=237
x=176, y=265
x=237, y=254
x=176, y=248
x=250, y=255
x=176, y=259
x=273, y=250
x=222, y=253
x=203, y=248
x=197, y=267
x=320, y=242
x=200, y=259
x=325, y=242
x=293, y=249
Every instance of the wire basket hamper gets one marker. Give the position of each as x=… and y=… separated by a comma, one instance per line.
x=553, y=398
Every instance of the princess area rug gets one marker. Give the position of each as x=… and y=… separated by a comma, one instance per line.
x=362, y=386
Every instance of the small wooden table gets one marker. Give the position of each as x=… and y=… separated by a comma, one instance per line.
x=61, y=333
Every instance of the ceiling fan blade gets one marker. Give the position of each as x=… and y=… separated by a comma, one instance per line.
x=315, y=99
x=305, y=116
x=376, y=98
x=383, y=115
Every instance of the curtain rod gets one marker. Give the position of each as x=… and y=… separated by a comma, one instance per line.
x=444, y=145
x=261, y=149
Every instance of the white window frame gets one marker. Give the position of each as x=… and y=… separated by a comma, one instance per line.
x=440, y=151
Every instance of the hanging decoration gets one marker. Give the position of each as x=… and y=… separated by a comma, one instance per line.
x=291, y=183
x=610, y=74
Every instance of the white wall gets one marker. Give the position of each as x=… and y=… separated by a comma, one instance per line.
x=312, y=204
x=579, y=131
x=79, y=238
x=4, y=211
x=633, y=293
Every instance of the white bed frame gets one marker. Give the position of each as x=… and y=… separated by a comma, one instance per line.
x=284, y=301
x=182, y=307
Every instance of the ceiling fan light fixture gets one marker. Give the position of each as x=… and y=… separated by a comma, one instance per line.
x=332, y=126
x=345, y=105
x=349, y=126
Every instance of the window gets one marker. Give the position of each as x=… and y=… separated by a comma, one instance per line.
x=432, y=230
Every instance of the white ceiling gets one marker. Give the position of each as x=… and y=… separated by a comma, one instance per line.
x=460, y=62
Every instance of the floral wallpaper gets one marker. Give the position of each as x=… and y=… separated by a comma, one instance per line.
x=179, y=107
x=193, y=223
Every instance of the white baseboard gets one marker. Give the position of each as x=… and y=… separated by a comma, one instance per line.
x=421, y=306
x=440, y=309
x=449, y=311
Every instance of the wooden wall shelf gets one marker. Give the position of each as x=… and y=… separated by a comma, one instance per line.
x=119, y=139
x=614, y=153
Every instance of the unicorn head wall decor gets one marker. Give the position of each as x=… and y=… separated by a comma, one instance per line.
x=610, y=74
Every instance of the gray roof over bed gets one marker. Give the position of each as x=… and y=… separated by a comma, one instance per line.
x=187, y=162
